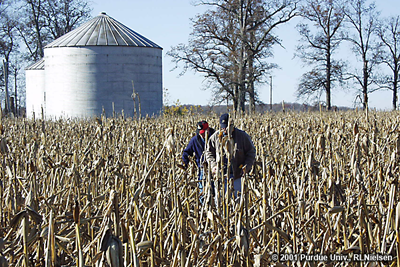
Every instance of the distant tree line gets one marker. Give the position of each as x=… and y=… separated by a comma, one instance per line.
x=26, y=26
x=232, y=46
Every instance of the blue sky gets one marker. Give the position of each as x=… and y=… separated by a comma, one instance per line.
x=169, y=24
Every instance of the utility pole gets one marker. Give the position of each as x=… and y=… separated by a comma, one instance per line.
x=270, y=93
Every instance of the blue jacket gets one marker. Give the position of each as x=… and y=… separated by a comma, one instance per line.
x=196, y=147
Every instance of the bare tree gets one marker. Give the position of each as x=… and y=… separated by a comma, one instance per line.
x=364, y=20
x=32, y=27
x=44, y=20
x=389, y=34
x=8, y=45
x=317, y=47
x=3, y=6
x=210, y=51
x=261, y=39
x=62, y=16
x=229, y=45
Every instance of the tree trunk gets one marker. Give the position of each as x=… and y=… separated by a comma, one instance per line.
x=242, y=86
x=242, y=60
x=252, y=100
x=5, y=71
x=328, y=78
x=395, y=83
x=242, y=101
x=15, y=91
x=251, y=77
x=394, y=98
x=365, y=96
x=235, y=97
x=365, y=84
x=36, y=14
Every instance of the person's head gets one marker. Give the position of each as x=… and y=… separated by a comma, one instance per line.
x=202, y=128
x=224, y=123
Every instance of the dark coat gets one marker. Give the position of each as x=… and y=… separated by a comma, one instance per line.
x=244, y=154
x=195, y=147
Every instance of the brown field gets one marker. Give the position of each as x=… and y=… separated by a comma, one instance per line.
x=110, y=192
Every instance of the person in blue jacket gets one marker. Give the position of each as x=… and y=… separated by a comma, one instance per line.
x=196, y=147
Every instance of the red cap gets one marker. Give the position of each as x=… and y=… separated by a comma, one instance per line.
x=202, y=126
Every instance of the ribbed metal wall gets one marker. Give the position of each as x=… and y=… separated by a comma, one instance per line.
x=81, y=81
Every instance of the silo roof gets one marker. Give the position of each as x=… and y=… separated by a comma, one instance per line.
x=38, y=65
x=102, y=30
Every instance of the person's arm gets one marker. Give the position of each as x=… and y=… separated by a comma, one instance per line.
x=250, y=153
x=210, y=152
x=188, y=151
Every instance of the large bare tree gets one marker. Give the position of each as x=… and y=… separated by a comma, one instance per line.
x=363, y=21
x=211, y=51
x=321, y=34
x=8, y=46
x=389, y=34
x=44, y=20
x=32, y=27
x=229, y=45
x=63, y=16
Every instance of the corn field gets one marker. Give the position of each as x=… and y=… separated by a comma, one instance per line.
x=112, y=192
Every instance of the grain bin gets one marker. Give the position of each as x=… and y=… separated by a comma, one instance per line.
x=93, y=67
x=35, y=94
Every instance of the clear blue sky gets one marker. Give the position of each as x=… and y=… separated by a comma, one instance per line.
x=167, y=23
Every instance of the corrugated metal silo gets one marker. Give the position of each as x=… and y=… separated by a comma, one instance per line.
x=35, y=93
x=93, y=66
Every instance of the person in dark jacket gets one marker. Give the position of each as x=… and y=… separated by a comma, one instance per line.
x=239, y=147
x=196, y=147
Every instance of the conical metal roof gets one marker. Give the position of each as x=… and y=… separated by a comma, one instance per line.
x=102, y=30
x=38, y=65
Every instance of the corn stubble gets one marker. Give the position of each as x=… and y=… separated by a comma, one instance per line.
x=112, y=192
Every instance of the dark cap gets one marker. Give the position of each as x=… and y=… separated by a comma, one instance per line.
x=202, y=126
x=223, y=120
